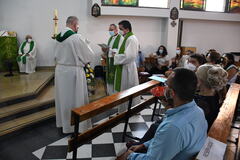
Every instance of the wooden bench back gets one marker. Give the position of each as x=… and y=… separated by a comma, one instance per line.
x=220, y=129
x=104, y=104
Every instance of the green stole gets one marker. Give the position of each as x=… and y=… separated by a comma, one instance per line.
x=120, y=67
x=24, y=58
x=67, y=34
x=110, y=61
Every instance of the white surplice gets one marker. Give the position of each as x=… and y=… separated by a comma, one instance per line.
x=71, y=56
x=31, y=60
x=129, y=71
x=110, y=87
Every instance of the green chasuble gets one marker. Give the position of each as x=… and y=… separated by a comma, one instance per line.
x=67, y=34
x=24, y=58
x=110, y=74
x=120, y=67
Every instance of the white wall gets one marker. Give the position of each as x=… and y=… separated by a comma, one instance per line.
x=35, y=17
x=220, y=35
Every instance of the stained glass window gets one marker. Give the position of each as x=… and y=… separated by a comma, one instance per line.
x=120, y=2
x=234, y=6
x=193, y=4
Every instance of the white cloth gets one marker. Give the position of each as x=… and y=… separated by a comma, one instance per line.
x=110, y=87
x=70, y=81
x=31, y=60
x=129, y=71
x=162, y=60
x=183, y=60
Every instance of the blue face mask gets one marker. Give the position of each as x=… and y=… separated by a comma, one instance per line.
x=111, y=33
x=160, y=51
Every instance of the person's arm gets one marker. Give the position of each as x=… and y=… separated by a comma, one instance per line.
x=19, y=50
x=166, y=144
x=32, y=54
x=83, y=50
x=129, y=55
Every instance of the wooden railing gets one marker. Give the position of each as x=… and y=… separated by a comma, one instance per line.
x=90, y=110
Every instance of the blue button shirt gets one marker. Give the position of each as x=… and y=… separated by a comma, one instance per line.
x=179, y=137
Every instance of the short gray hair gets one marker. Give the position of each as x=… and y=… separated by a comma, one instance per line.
x=71, y=20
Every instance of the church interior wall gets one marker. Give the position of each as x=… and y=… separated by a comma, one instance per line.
x=35, y=18
x=220, y=35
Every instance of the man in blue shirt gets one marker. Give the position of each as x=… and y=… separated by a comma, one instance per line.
x=183, y=131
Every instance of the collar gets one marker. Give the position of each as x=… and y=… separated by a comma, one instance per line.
x=173, y=111
x=66, y=29
x=116, y=35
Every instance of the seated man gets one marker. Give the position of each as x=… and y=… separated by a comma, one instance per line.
x=183, y=131
x=27, y=56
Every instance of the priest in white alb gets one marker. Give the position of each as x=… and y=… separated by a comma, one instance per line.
x=126, y=75
x=27, y=56
x=72, y=53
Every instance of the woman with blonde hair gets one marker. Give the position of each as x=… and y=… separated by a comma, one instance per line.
x=211, y=79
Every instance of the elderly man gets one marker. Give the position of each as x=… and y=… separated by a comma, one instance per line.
x=27, y=56
x=114, y=43
x=72, y=53
x=183, y=131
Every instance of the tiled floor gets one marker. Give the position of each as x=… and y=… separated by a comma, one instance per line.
x=105, y=147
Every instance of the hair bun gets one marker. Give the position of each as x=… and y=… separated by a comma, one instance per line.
x=217, y=77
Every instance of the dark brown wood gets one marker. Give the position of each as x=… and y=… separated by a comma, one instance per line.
x=221, y=127
x=106, y=103
x=101, y=128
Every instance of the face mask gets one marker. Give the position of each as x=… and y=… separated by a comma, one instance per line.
x=111, y=33
x=121, y=32
x=161, y=51
x=29, y=40
x=177, y=51
x=77, y=27
x=168, y=96
x=190, y=66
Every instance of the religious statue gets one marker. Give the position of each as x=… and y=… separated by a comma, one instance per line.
x=27, y=56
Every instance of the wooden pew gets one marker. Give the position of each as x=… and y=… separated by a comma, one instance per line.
x=90, y=110
x=220, y=129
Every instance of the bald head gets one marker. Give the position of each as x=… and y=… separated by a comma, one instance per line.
x=72, y=22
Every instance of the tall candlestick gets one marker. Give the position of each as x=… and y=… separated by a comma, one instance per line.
x=55, y=13
x=55, y=18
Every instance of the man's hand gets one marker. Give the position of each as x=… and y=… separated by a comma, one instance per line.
x=124, y=156
x=105, y=50
x=104, y=56
x=137, y=148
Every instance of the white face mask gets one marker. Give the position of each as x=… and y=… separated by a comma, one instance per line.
x=161, y=51
x=29, y=40
x=177, y=51
x=111, y=33
x=77, y=27
x=190, y=66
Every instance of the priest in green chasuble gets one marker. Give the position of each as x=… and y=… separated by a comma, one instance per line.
x=126, y=75
x=72, y=53
x=113, y=43
x=27, y=56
